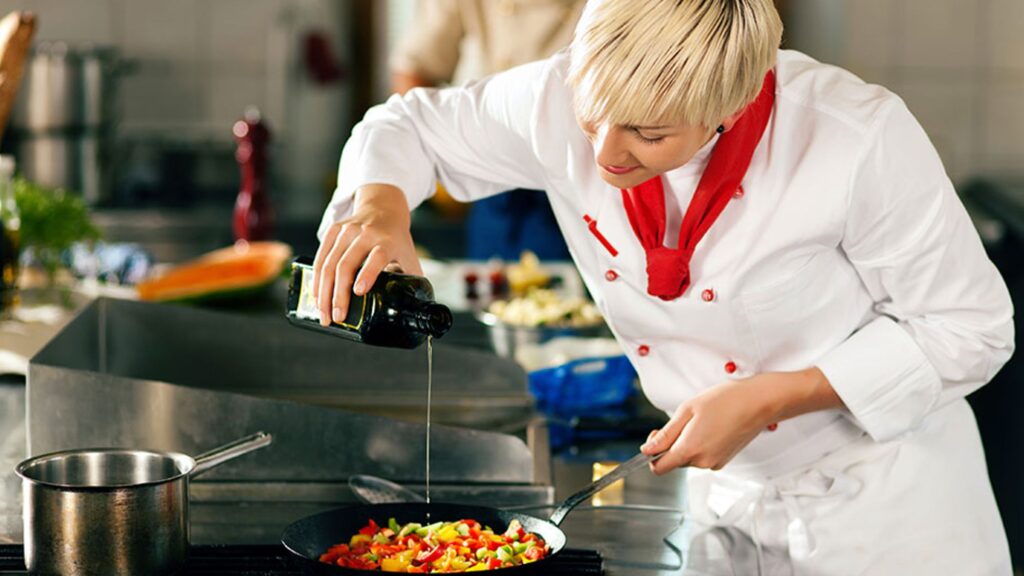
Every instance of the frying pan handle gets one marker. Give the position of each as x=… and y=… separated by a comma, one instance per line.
x=220, y=455
x=620, y=472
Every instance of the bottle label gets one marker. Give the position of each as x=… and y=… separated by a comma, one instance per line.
x=306, y=308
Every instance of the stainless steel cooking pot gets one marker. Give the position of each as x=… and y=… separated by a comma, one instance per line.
x=68, y=88
x=507, y=339
x=64, y=122
x=113, y=511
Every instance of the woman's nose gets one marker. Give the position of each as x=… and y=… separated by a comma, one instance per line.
x=610, y=147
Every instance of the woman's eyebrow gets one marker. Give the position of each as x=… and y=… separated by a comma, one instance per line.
x=634, y=127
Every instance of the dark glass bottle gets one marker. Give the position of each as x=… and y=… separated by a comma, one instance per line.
x=399, y=311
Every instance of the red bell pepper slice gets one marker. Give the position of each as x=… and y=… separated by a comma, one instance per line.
x=430, y=555
x=370, y=529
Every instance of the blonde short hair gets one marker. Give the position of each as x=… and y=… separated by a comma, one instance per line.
x=645, y=62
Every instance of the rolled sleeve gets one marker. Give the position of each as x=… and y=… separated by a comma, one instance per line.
x=943, y=319
x=379, y=153
x=883, y=378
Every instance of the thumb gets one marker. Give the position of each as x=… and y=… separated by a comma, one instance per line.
x=661, y=440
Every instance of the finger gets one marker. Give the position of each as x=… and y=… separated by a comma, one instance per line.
x=666, y=441
x=326, y=285
x=344, y=274
x=649, y=436
x=321, y=254
x=680, y=454
x=375, y=262
x=326, y=278
x=662, y=439
x=410, y=263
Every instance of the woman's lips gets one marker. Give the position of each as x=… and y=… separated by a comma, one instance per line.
x=619, y=170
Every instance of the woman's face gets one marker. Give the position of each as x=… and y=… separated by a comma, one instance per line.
x=630, y=155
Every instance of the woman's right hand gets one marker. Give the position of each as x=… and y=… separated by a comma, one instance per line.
x=376, y=235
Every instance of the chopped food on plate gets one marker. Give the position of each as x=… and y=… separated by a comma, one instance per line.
x=542, y=307
x=527, y=274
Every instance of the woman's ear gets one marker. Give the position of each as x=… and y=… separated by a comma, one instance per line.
x=730, y=121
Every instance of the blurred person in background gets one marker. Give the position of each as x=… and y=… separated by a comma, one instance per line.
x=455, y=41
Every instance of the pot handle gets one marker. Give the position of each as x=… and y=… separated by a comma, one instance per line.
x=220, y=455
x=620, y=472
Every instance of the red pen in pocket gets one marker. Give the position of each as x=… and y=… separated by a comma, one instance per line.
x=592, y=225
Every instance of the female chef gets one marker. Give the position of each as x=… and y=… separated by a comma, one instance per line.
x=774, y=242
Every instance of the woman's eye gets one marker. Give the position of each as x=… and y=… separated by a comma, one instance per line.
x=648, y=140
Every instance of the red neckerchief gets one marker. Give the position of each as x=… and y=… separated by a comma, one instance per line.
x=668, y=269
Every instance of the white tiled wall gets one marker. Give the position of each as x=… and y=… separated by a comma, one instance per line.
x=196, y=63
x=1003, y=125
x=938, y=34
x=959, y=65
x=194, y=66
x=1005, y=26
x=81, y=21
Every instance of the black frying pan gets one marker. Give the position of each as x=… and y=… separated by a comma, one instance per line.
x=310, y=537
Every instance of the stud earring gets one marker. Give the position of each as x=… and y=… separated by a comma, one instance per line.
x=721, y=129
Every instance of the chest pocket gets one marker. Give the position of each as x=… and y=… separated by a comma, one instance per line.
x=803, y=312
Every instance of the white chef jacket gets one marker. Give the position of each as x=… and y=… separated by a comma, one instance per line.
x=848, y=250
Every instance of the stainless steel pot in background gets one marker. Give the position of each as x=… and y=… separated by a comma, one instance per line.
x=113, y=511
x=506, y=339
x=65, y=118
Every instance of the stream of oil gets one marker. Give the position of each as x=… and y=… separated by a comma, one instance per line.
x=430, y=386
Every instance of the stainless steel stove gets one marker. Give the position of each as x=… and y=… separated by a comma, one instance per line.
x=275, y=561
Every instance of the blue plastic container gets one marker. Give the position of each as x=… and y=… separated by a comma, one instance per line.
x=583, y=385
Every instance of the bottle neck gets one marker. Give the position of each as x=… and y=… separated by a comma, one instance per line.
x=432, y=319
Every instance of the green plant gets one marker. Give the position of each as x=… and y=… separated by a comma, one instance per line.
x=51, y=221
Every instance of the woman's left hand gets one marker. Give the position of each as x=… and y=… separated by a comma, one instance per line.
x=708, y=430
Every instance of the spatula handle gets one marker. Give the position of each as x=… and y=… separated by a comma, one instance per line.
x=620, y=472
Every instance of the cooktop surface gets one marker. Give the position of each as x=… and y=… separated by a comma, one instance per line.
x=276, y=561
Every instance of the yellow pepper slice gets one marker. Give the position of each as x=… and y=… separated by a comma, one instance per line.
x=393, y=565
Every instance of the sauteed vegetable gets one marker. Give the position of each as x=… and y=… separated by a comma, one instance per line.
x=441, y=547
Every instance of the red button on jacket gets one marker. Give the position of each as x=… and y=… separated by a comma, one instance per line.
x=707, y=295
x=773, y=426
x=611, y=275
x=643, y=350
x=730, y=367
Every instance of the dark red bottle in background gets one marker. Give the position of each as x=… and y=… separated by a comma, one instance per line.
x=254, y=216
